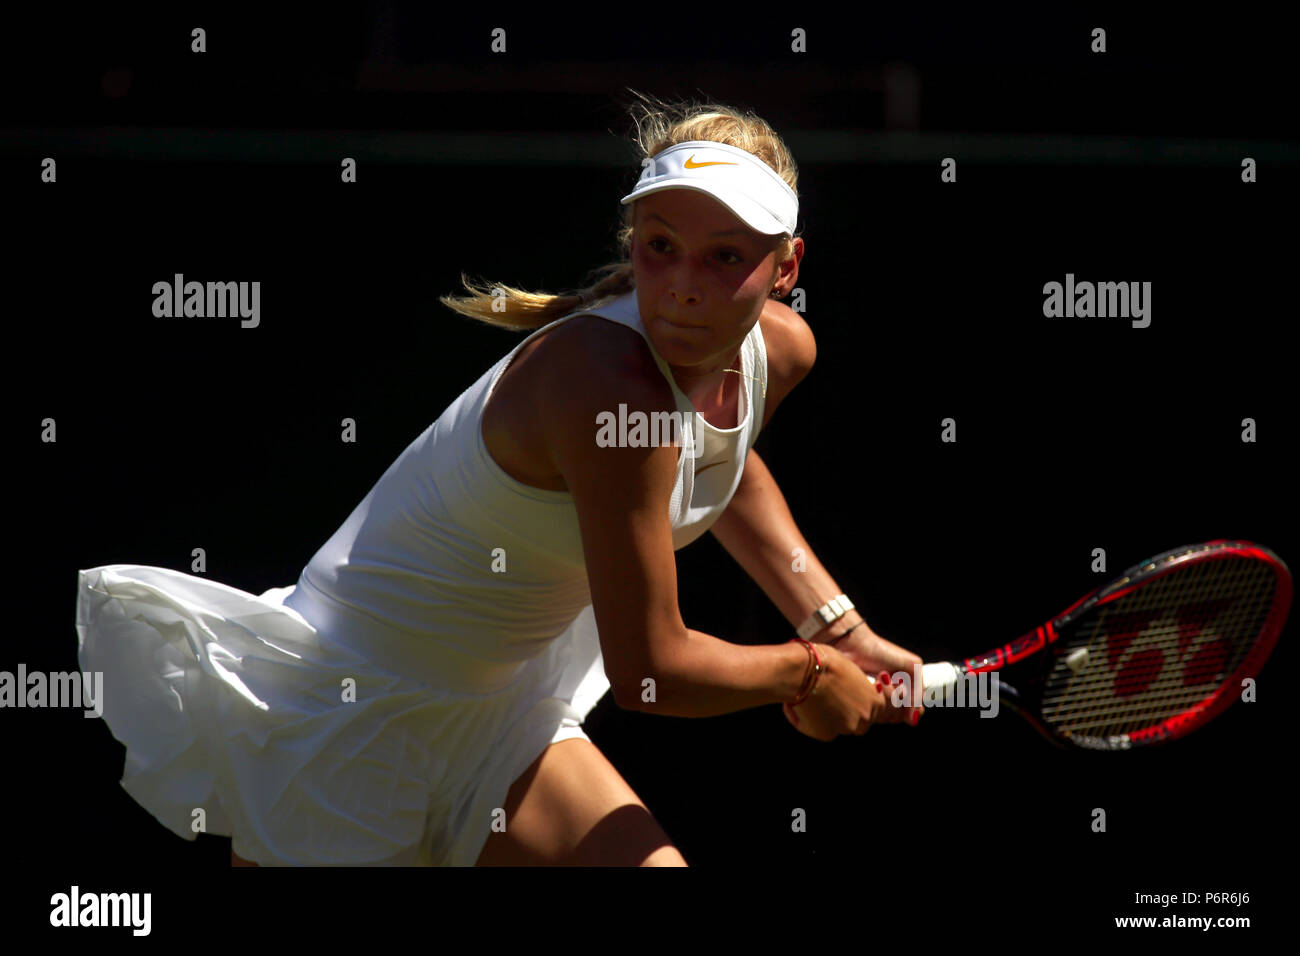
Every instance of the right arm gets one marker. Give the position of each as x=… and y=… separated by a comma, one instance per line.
x=621, y=496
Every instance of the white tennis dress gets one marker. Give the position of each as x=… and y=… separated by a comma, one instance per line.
x=378, y=711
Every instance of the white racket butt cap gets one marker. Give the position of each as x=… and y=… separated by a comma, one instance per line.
x=939, y=675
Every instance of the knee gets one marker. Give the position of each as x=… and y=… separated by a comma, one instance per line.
x=665, y=856
x=628, y=836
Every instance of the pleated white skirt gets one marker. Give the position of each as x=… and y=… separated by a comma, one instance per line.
x=295, y=743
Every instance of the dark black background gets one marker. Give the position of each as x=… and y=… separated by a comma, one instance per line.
x=926, y=302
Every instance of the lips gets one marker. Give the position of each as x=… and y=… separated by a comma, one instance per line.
x=679, y=325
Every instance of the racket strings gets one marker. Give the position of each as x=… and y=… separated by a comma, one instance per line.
x=1141, y=685
x=1160, y=650
x=1157, y=678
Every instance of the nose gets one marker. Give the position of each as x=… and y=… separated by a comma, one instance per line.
x=683, y=287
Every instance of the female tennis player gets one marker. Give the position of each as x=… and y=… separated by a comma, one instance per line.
x=417, y=697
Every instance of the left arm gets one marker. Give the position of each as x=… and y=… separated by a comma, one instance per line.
x=758, y=530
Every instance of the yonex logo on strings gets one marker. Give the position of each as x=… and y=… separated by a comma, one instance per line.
x=1136, y=651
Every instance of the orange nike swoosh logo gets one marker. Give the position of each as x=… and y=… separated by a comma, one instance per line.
x=699, y=471
x=692, y=164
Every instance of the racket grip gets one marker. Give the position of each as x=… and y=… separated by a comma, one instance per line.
x=935, y=675
x=939, y=675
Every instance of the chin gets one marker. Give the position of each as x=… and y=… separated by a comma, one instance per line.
x=688, y=343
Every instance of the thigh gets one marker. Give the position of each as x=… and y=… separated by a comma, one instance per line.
x=572, y=808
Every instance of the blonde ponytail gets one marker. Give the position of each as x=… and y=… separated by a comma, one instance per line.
x=659, y=125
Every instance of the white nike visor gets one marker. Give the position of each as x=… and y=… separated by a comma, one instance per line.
x=739, y=180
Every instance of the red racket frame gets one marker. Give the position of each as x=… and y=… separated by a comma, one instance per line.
x=1200, y=713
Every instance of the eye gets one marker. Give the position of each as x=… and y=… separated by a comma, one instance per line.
x=736, y=257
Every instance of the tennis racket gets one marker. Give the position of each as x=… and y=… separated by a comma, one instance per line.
x=1155, y=654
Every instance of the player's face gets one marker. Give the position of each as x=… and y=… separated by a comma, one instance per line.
x=699, y=292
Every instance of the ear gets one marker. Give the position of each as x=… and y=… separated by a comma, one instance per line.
x=787, y=270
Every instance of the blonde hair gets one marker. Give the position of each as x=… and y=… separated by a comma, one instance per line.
x=658, y=125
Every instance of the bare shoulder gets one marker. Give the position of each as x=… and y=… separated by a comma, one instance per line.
x=557, y=384
x=599, y=351
x=591, y=362
x=789, y=340
x=791, y=352
x=593, y=365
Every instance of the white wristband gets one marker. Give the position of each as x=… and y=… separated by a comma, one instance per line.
x=832, y=610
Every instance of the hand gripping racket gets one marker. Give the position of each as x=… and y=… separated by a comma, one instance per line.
x=1151, y=656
